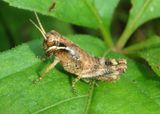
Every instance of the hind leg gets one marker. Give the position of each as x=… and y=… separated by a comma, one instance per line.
x=108, y=78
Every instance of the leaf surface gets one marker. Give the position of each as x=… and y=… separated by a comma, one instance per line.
x=149, y=51
x=151, y=54
x=136, y=91
x=141, y=12
x=152, y=57
x=88, y=13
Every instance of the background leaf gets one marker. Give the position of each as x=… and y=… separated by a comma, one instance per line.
x=152, y=57
x=53, y=94
x=141, y=12
x=15, y=31
x=80, y=12
x=149, y=51
x=88, y=13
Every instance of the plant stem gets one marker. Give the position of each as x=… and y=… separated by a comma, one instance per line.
x=104, y=31
x=134, y=47
x=58, y=103
x=131, y=26
x=148, y=43
x=89, y=99
x=124, y=37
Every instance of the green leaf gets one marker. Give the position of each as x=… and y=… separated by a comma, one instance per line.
x=152, y=57
x=81, y=12
x=149, y=51
x=21, y=29
x=151, y=54
x=141, y=12
x=136, y=91
x=88, y=13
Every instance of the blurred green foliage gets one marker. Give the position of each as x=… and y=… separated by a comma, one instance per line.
x=15, y=27
x=13, y=34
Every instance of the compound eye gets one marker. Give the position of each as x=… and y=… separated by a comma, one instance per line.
x=107, y=62
x=62, y=45
x=112, y=62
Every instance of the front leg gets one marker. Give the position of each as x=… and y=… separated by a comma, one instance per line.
x=110, y=78
x=47, y=70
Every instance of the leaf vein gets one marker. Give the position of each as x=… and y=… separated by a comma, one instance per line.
x=58, y=103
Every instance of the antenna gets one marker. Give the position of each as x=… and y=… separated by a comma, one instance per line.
x=40, y=27
x=39, y=22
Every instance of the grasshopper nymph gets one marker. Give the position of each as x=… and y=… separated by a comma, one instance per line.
x=76, y=61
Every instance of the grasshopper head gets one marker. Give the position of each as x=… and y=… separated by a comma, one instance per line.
x=52, y=39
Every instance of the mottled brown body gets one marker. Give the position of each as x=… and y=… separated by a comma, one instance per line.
x=75, y=60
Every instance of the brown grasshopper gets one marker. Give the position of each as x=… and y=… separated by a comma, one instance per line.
x=76, y=61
